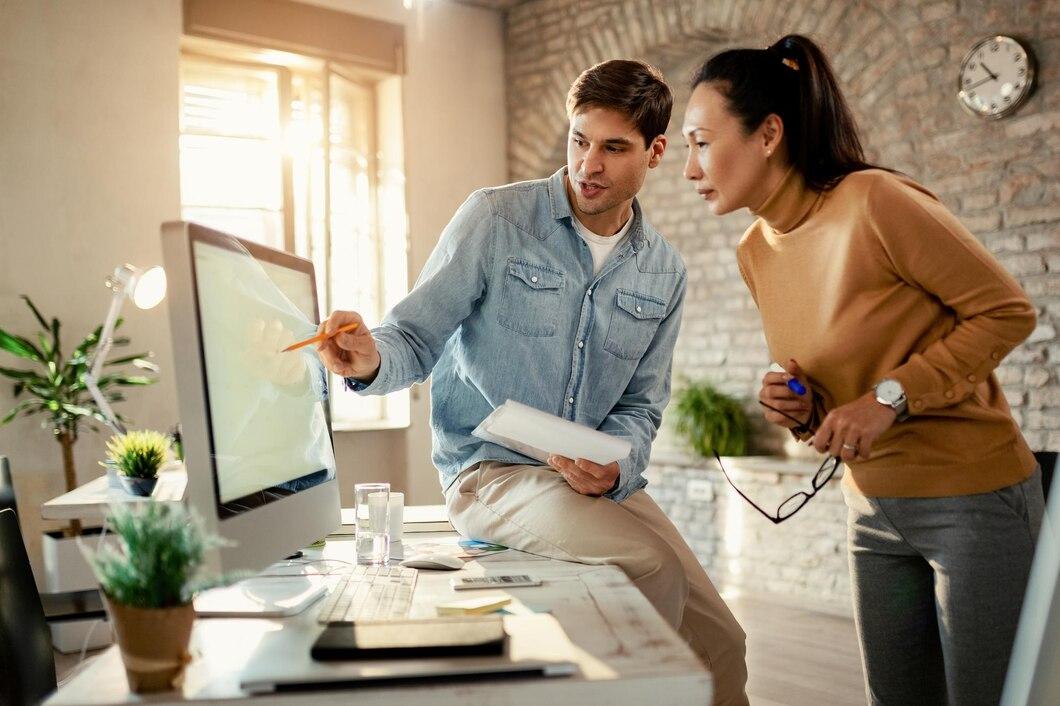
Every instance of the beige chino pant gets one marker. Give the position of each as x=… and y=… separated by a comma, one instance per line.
x=533, y=509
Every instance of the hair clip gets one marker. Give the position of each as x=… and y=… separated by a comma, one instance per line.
x=790, y=63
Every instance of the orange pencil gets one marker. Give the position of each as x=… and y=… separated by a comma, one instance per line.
x=320, y=337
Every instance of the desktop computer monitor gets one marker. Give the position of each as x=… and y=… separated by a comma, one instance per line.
x=255, y=424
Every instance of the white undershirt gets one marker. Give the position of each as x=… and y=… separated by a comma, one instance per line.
x=601, y=245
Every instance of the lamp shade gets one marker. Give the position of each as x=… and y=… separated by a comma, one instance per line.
x=149, y=288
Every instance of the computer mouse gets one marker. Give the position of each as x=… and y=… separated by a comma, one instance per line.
x=440, y=562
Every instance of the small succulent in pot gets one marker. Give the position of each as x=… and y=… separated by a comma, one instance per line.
x=138, y=455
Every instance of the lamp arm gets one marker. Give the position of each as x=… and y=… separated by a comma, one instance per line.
x=106, y=340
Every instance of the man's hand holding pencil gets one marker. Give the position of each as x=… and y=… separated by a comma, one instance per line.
x=351, y=353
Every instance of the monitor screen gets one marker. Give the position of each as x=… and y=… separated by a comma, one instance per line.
x=266, y=410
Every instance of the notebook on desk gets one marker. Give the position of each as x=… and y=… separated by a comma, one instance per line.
x=536, y=646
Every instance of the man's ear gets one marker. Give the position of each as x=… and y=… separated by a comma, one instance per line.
x=658, y=147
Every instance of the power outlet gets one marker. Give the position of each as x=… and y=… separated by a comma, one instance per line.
x=700, y=490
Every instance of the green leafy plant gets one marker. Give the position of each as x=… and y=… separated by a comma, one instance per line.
x=709, y=419
x=159, y=560
x=138, y=454
x=55, y=387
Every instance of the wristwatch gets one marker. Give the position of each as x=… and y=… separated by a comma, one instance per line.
x=889, y=392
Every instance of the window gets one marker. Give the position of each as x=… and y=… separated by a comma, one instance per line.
x=303, y=155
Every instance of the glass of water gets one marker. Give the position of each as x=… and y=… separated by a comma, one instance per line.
x=373, y=522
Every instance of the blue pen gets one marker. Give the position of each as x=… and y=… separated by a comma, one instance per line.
x=793, y=384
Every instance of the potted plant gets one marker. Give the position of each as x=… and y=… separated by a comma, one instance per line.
x=148, y=583
x=709, y=420
x=137, y=456
x=55, y=387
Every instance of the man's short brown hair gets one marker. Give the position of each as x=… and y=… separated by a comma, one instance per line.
x=633, y=88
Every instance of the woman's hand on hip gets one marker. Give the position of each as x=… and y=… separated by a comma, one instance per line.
x=850, y=431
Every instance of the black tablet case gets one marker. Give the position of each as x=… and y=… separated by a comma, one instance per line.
x=456, y=636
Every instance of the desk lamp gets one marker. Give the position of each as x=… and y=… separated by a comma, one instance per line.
x=146, y=288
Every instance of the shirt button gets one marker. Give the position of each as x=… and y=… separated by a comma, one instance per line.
x=589, y=293
x=638, y=309
x=949, y=394
x=570, y=400
x=971, y=378
x=581, y=344
x=533, y=279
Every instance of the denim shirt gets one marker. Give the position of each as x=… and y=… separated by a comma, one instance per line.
x=507, y=308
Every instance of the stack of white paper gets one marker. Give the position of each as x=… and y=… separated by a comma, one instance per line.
x=538, y=435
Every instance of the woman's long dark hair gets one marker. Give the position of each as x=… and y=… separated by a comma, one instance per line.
x=792, y=79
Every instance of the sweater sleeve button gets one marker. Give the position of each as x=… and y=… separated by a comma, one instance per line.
x=918, y=404
x=972, y=378
x=949, y=394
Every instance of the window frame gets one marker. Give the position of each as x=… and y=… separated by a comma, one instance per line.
x=390, y=416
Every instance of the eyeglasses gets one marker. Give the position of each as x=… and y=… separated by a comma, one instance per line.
x=797, y=501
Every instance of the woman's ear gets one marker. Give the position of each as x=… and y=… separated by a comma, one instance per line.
x=772, y=134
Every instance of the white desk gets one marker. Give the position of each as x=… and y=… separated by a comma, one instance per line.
x=625, y=652
x=90, y=500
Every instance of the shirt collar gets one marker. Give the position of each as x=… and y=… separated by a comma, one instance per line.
x=789, y=204
x=639, y=235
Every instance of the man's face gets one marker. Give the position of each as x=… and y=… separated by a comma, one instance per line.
x=607, y=160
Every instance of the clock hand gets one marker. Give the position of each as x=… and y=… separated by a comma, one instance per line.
x=979, y=83
x=987, y=69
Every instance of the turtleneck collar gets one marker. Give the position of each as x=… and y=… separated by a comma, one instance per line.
x=789, y=204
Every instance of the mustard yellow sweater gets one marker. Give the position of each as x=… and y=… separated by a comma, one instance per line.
x=875, y=279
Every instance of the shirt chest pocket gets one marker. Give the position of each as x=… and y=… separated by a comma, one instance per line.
x=634, y=321
x=530, y=298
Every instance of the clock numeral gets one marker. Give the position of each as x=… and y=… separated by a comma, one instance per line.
x=1008, y=99
x=1021, y=71
x=993, y=47
x=971, y=66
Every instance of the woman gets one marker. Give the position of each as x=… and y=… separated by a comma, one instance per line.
x=893, y=317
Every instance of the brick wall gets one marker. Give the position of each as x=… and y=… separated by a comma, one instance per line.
x=897, y=62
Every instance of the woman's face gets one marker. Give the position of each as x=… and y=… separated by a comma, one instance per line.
x=729, y=168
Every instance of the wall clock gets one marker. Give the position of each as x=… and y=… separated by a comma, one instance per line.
x=996, y=77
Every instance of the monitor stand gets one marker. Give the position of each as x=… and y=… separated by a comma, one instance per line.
x=270, y=596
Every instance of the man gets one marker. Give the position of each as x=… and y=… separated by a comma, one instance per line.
x=558, y=294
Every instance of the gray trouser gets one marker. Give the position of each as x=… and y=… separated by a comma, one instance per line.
x=938, y=584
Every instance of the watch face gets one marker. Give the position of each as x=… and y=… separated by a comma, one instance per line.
x=889, y=391
x=995, y=77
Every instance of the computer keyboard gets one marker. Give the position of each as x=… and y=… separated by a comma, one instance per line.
x=370, y=593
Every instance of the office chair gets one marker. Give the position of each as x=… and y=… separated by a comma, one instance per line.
x=26, y=659
x=58, y=607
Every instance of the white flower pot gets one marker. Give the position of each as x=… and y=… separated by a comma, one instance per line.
x=72, y=636
x=65, y=569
